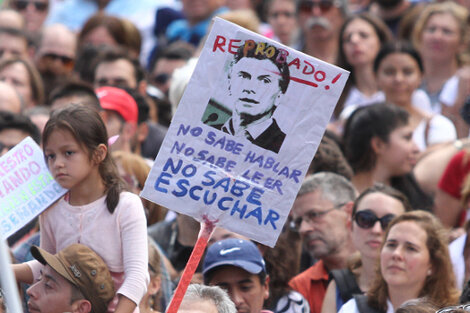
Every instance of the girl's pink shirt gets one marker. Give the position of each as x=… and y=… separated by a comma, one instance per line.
x=119, y=238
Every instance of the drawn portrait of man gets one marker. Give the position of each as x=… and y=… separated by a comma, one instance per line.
x=258, y=77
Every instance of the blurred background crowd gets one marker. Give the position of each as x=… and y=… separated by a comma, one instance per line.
x=397, y=140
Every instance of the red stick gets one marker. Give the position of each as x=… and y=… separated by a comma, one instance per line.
x=204, y=235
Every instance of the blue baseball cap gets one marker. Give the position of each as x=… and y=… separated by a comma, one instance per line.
x=235, y=252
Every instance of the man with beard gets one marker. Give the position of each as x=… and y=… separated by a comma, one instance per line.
x=55, y=57
x=320, y=22
x=320, y=213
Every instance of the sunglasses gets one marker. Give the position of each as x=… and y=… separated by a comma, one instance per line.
x=21, y=5
x=366, y=219
x=66, y=61
x=306, y=6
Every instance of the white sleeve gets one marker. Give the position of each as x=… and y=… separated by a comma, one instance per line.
x=449, y=91
x=441, y=129
x=133, y=225
x=421, y=100
x=349, y=307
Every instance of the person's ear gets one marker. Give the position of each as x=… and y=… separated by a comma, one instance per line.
x=100, y=153
x=142, y=132
x=81, y=306
x=128, y=130
x=266, y=287
x=377, y=144
x=278, y=98
x=348, y=209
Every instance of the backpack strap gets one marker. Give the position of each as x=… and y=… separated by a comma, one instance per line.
x=363, y=306
x=346, y=283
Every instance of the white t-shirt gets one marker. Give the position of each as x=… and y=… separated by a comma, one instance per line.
x=449, y=92
x=441, y=129
x=351, y=307
x=458, y=262
x=357, y=99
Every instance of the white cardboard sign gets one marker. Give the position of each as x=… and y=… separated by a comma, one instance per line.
x=245, y=132
x=26, y=186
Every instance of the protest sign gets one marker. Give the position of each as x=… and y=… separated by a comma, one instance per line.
x=245, y=132
x=26, y=186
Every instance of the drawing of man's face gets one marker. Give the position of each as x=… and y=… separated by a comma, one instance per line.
x=254, y=84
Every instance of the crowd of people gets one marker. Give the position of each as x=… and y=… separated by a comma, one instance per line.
x=379, y=223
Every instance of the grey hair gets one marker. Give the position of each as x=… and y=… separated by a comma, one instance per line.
x=214, y=294
x=333, y=187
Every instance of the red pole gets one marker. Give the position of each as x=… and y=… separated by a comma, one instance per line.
x=205, y=233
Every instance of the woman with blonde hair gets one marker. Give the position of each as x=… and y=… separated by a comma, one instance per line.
x=440, y=36
x=414, y=263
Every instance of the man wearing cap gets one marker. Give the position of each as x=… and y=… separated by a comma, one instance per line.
x=237, y=266
x=120, y=115
x=74, y=280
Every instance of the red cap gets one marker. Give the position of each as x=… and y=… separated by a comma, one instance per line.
x=116, y=99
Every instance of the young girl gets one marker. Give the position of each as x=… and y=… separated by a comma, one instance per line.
x=379, y=147
x=371, y=213
x=399, y=70
x=95, y=211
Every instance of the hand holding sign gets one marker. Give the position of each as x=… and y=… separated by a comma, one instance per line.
x=245, y=132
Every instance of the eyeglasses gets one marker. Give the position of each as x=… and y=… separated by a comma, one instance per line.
x=21, y=5
x=306, y=6
x=366, y=219
x=312, y=216
x=449, y=309
x=66, y=61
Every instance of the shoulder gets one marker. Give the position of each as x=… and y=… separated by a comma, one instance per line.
x=129, y=197
x=161, y=232
x=129, y=202
x=441, y=121
x=314, y=272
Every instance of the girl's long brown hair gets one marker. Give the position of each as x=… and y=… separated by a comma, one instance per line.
x=88, y=129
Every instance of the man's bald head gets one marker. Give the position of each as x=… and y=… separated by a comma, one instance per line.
x=57, y=50
x=58, y=35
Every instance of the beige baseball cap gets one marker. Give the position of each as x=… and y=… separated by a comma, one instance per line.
x=82, y=267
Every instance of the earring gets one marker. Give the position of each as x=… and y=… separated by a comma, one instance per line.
x=429, y=272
